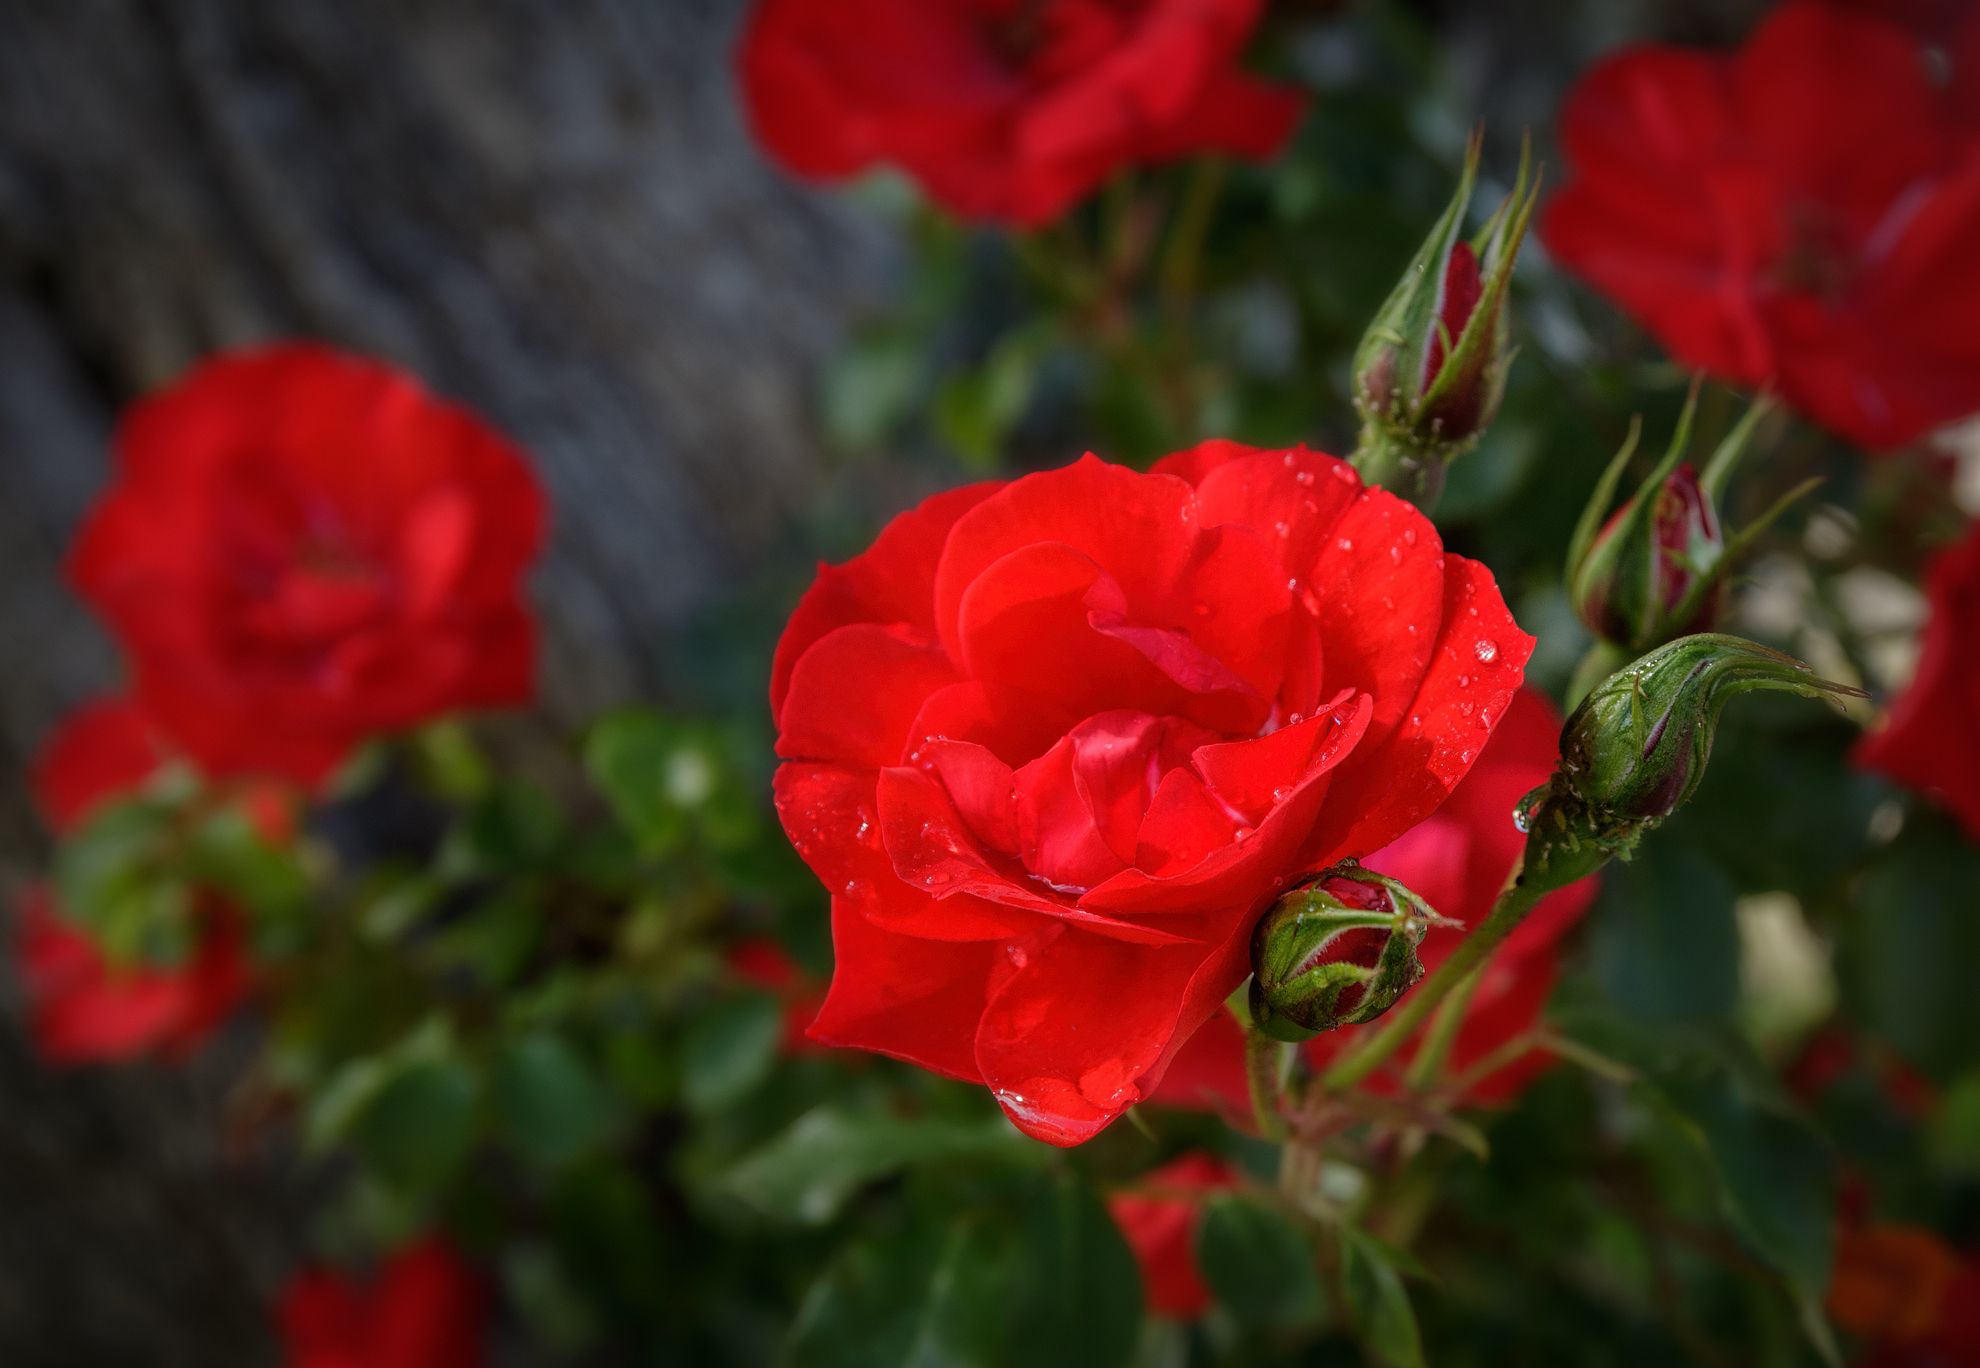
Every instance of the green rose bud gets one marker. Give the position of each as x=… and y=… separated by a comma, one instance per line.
x=1338, y=952
x=1431, y=369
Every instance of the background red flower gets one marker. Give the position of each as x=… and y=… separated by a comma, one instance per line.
x=1931, y=740
x=1006, y=109
x=1159, y=1219
x=423, y=1310
x=302, y=549
x=1053, y=745
x=1800, y=213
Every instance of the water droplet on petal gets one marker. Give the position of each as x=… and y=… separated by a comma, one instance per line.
x=1412, y=629
x=1294, y=720
x=1245, y=833
x=1523, y=819
x=1292, y=586
x=1345, y=544
x=1463, y=681
x=1409, y=536
x=1465, y=709
x=1017, y=955
x=1304, y=477
x=1416, y=720
x=1485, y=719
x=1486, y=651
x=1283, y=792
x=1395, y=555
x=1283, y=529
x=1345, y=473
x=1201, y=609
x=854, y=888
x=1464, y=757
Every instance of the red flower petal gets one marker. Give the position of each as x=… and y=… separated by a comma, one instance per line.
x=854, y=696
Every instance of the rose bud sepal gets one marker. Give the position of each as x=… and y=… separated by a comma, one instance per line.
x=1431, y=369
x=1635, y=750
x=1338, y=952
x=1656, y=570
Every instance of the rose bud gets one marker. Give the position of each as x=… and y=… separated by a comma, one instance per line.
x=1431, y=369
x=1658, y=567
x=1636, y=748
x=1338, y=952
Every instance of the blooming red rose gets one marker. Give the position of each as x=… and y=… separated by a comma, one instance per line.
x=1457, y=860
x=1801, y=213
x=1006, y=109
x=1159, y=1219
x=302, y=549
x=1054, y=745
x=423, y=1310
x=1931, y=740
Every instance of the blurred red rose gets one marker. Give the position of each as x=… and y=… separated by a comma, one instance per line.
x=1931, y=740
x=424, y=1310
x=82, y=1010
x=1006, y=109
x=1159, y=1217
x=762, y=963
x=1457, y=859
x=1054, y=745
x=1800, y=213
x=1909, y=1296
x=302, y=549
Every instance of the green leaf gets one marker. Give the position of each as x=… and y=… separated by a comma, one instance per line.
x=1378, y=1302
x=1917, y=944
x=919, y=1298
x=729, y=1049
x=868, y=390
x=547, y=1103
x=1777, y=1176
x=807, y=1174
x=1663, y=939
x=416, y=1128
x=1078, y=1300
x=1259, y=1265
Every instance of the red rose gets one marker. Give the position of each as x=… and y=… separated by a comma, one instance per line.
x=81, y=1010
x=1457, y=859
x=303, y=549
x=1006, y=109
x=1931, y=740
x=1054, y=745
x=763, y=963
x=1801, y=213
x=422, y=1311
x=104, y=749
x=1159, y=1219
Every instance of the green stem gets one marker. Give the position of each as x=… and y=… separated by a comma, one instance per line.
x=1264, y=1062
x=1429, y=1061
x=1184, y=253
x=1366, y=1056
x=1383, y=458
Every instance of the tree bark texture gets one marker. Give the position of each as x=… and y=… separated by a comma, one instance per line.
x=548, y=209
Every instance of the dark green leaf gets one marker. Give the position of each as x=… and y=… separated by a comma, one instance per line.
x=1259, y=1265
x=415, y=1130
x=1918, y=941
x=1662, y=938
x=1378, y=1302
x=807, y=1173
x=729, y=1049
x=1078, y=1301
x=547, y=1103
x=922, y=1298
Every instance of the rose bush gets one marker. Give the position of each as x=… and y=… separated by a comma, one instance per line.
x=1798, y=214
x=1006, y=110
x=1053, y=745
x=1931, y=740
x=302, y=549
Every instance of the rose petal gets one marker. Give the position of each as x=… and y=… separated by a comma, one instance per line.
x=854, y=695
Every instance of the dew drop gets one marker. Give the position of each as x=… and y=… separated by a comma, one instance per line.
x=1201, y=609
x=1345, y=544
x=1395, y=555
x=1412, y=629
x=1409, y=536
x=1292, y=586
x=1486, y=651
x=1464, y=757
x=1485, y=719
x=1304, y=477
x=1416, y=720
x=1245, y=833
x=1294, y=720
x=1017, y=955
x=1283, y=792
x=1465, y=709
x=1283, y=529
x=1345, y=474
x=1523, y=819
x=1464, y=681
x=854, y=888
